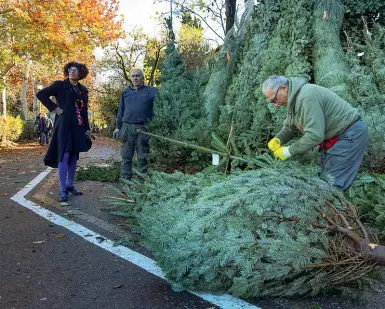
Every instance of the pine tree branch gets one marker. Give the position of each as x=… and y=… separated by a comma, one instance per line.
x=120, y=199
x=342, y=217
x=348, y=232
x=324, y=215
x=331, y=264
x=321, y=226
x=228, y=145
x=200, y=148
x=363, y=229
x=346, y=204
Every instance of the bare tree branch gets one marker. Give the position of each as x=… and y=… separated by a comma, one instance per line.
x=121, y=62
x=220, y=16
x=203, y=19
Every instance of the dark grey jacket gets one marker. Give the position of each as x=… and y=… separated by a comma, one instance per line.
x=136, y=105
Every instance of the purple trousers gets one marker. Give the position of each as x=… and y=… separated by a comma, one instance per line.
x=67, y=168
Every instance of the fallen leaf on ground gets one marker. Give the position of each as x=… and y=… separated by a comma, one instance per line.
x=59, y=235
x=64, y=204
x=39, y=242
x=69, y=214
x=100, y=238
x=3, y=194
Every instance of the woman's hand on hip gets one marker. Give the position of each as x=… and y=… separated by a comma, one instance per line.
x=58, y=111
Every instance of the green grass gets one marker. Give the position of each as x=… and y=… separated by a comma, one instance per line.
x=98, y=173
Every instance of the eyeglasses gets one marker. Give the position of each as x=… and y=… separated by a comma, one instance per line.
x=274, y=99
x=73, y=71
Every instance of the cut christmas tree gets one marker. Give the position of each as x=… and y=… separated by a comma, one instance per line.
x=279, y=230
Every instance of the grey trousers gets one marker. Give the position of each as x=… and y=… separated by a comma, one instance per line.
x=133, y=142
x=343, y=160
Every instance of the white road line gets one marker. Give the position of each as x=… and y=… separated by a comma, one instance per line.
x=224, y=301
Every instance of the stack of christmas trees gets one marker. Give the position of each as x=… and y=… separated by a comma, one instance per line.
x=277, y=230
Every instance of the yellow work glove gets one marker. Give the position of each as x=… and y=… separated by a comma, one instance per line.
x=282, y=153
x=274, y=144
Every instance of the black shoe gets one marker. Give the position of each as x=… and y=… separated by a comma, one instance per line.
x=63, y=196
x=74, y=191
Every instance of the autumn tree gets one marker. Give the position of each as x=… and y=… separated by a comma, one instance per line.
x=191, y=44
x=34, y=28
x=120, y=57
x=153, y=60
x=217, y=15
x=136, y=50
x=71, y=29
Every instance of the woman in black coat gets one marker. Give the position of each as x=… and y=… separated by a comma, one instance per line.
x=71, y=126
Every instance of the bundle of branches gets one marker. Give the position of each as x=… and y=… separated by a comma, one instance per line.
x=279, y=230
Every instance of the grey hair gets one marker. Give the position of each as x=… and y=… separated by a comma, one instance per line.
x=141, y=72
x=274, y=82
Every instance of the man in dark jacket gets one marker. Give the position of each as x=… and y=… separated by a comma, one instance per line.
x=324, y=119
x=44, y=127
x=36, y=126
x=135, y=111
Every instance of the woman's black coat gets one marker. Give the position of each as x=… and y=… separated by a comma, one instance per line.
x=67, y=134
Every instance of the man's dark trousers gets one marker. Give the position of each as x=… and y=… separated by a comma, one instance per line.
x=43, y=138
x=133, y=141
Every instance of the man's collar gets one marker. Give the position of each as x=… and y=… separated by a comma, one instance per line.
x=133, y=88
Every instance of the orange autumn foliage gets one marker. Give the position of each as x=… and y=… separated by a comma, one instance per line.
x=59, y=29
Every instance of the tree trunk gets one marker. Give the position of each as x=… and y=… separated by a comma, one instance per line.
x=24, y=89
x=34, y=100
x=230, y=13
x=23, y=99
x=4, y=118
x=330, y=68
x=153, y=70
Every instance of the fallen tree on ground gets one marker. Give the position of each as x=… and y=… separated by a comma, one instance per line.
x=279, y=230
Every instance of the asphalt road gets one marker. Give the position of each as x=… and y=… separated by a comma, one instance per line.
x=46, y=266
x=43, y=265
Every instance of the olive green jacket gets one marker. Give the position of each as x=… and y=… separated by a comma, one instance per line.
x=317, y=112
